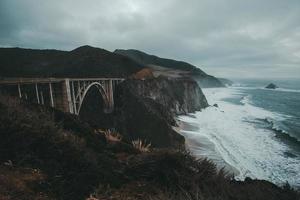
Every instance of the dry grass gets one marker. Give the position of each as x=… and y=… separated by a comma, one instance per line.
x=141, y=145
x=143, y=74
x=19, y=183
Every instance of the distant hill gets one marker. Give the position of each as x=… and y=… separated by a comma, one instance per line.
x=84, y=61
x=185, y=68
x=144, y=58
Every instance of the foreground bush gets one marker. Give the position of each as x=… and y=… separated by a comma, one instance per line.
x=72, y=161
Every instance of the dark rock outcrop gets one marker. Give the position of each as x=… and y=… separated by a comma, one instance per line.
x=145, y=109
x=142, y=118
x=180, y=96
x=271, y=86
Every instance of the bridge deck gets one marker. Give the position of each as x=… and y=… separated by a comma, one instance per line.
x=9, y=81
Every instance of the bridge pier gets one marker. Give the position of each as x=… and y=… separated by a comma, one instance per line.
x=51, y=95
x=37, y=93
x=19, y=90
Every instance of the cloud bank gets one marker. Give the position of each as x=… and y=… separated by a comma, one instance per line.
x=225, y=38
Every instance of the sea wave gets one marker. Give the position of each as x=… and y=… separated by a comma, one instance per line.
x=281, y=132
x=255, y=152
x=246, y=100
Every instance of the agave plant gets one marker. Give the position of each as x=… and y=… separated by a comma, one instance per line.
x=141, y=145
x=112, y=136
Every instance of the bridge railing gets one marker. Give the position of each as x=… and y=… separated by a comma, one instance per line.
x=50, y=80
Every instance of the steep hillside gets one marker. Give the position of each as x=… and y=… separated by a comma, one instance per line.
x=47, y=155
x=226, y=81
x=174, y=67
x=84, y=61
x=144, y=58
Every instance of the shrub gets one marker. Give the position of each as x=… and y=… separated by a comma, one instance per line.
x=73, y=162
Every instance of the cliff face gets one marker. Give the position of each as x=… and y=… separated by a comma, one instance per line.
x=180, y=96
x=145, y=109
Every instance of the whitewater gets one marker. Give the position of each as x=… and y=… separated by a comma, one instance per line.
x=231, y=134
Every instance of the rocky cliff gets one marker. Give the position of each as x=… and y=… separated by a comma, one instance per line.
x=145, y=109
x=180, y=96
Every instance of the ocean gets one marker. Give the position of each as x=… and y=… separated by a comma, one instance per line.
x=251, y=132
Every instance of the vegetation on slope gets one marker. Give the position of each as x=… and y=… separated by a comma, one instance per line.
x=147, y=59
x=84, y=61
x=184, y=68
x=46, y=154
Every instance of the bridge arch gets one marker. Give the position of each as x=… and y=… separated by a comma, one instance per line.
x=101, y=90
x=65, y=94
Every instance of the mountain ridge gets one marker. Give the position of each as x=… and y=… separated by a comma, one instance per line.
x=143, y=58
x=84, y=61
x=186, y=69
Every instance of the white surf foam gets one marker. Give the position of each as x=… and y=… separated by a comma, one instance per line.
x=253, y=151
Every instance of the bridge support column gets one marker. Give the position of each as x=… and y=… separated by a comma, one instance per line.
x=37, y=93
x=111, y=94
x=42, y=98
x=73, y=98
x=67, y=96
x=19, y=90
x=51, y=95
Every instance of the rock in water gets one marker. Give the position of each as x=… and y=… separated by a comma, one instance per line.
x=216, y=105
x=271, y=86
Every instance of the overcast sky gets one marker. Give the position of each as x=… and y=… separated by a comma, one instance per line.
x=226, y=38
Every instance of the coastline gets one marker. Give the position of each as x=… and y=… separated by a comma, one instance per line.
x=204, y=148
x=237, y=130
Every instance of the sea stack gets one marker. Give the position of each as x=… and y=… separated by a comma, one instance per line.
x=271, y=86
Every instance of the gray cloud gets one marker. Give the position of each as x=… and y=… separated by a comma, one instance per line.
x=225, y=38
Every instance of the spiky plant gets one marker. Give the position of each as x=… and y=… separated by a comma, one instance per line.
x=141, y=145
x=112, y=136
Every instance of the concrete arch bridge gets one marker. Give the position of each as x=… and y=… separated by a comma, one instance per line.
x=65, y=94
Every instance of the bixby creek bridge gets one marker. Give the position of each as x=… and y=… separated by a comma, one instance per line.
x=65, y=94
